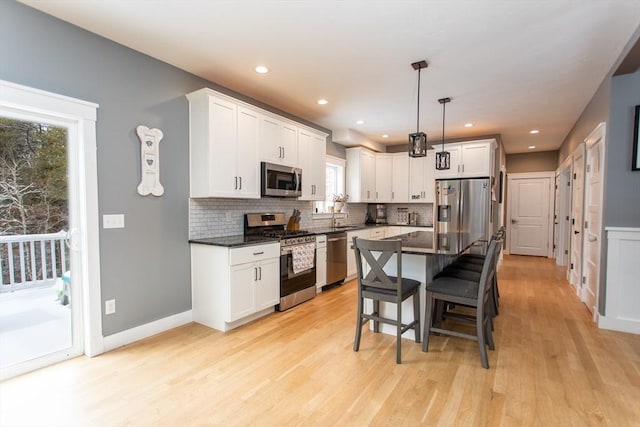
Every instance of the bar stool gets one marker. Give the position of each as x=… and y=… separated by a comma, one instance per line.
x=378, y=286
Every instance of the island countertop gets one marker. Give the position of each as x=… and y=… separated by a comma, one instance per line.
x=428, y=242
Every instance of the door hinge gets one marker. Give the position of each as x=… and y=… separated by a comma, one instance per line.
x=554, y=246
x=571, y=266
x=566, y=252
x=584, y=280
x=573, y=221
x=575, y=176
x=586, y=224
x=568, y=183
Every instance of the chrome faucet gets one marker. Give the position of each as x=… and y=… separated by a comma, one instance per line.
x=334, y=220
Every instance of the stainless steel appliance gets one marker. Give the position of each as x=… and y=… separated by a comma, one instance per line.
x=336, y=257
x=280, y=181
x=297, y=256
x=376, y=214
x=463, y=208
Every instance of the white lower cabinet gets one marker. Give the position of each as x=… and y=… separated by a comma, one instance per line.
x=321, y=261
x=232, y=286
x=351, y=255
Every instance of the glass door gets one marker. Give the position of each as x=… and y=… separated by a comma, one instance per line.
x=39, y=304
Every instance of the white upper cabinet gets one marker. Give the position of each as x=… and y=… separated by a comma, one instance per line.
x=223, y=147
x=430, y=178
x=384, y=178
x=469, y=159
x=312, y=149
x=360, y=173
x=400, y=178
x=278, y=141
x=418, y=179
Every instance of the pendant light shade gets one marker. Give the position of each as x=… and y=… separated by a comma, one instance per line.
x=443, y=158
x=418, y=140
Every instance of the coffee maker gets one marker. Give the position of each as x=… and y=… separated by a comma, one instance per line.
x=376, y=214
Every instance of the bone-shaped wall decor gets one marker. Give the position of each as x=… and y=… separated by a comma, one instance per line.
x=150, y=159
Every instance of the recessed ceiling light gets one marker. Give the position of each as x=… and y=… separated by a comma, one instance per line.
x=468, y=125
x=531, y=147
x=385, y=136
x=261, y=69
x=360, y=122
x=533, y=132
x=323, y=101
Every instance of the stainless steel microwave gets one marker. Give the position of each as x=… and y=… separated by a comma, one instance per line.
x=280, y=181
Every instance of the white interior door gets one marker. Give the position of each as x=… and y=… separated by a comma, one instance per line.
x=529, y=210
x=577, y=209
x=556, y=215
x=593, y=218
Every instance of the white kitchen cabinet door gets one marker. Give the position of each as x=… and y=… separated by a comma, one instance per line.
x=418, y=179
x=400, y=178
x=476, y=160
x=383, y=178
x=469, y=160
x=278, y=141
x=289, y=140
x=360, y=175
x=223, y=147
x=247, y=163
x=242, y=299
x=430, y=181
x=351, y=255
x=218, y=169
x=267, y=287
x=312, y=152
x=321, y=267
x=455, y=153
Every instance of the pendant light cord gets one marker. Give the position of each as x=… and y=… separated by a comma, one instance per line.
x=418, y=116
x=443, y=108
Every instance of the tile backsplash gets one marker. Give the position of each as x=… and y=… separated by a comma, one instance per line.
x=225, y=217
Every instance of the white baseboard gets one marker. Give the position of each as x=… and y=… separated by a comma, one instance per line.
x=144, y=331
x=621, y=325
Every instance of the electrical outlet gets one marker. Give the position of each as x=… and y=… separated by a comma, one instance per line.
x=113, y=221
x=110, y=306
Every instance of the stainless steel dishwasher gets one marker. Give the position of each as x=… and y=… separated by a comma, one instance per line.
x=336, y=257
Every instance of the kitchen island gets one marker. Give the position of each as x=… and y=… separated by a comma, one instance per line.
x=424, y=254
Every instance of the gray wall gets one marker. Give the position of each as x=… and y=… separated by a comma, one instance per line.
x=596, y=112
x=543, y=161
x=622, y=186
x=145, y=266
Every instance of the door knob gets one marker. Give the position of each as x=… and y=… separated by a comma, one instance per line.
x=514, y=221
x=576, y=232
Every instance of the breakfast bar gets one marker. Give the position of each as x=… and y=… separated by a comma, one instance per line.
x=424, y=254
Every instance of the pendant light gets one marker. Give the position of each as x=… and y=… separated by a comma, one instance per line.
x=443, y=158
x=418, y=140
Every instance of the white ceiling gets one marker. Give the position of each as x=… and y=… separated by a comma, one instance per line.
x=509, y=66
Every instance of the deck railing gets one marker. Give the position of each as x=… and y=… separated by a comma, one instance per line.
x=32, y=260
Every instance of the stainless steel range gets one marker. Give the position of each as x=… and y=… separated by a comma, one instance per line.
x=297, y=256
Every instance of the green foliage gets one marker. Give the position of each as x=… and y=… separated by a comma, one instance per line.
x=33, y=177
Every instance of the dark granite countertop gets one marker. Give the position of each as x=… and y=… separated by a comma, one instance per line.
x=240, y=240
x=234, y=241
x=423, y=242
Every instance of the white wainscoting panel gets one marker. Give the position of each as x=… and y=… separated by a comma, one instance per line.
x=622, y=304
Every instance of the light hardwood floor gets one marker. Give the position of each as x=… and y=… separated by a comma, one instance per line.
x=551, y=367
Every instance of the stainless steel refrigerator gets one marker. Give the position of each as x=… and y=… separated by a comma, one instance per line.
x=463, y=209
